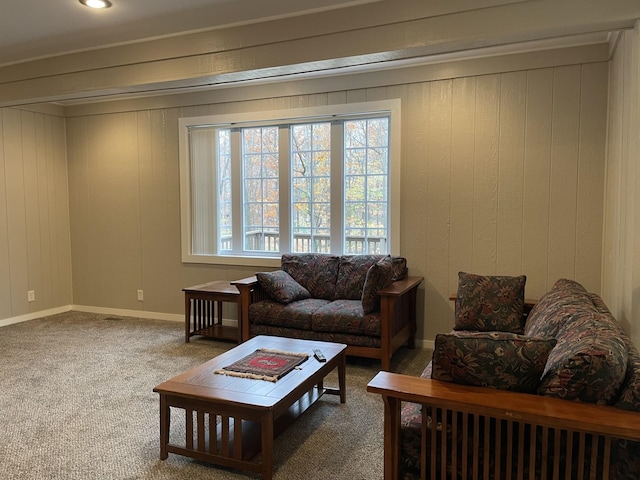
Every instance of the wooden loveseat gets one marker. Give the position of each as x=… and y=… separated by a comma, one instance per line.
x=364, y=301
x=580, y=421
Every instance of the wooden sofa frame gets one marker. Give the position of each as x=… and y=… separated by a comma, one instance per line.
x=397, y=309
x=579, y=423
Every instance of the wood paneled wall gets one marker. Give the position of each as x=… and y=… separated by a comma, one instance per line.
x=621, y=253
x=35, y=252
x=501, y=174
x=508, y=170
x=125, y=213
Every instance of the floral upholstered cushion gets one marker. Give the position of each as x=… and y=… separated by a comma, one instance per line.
x=489, y=303
x=500, y=360
x=346, y=338
x=565, y=299
x=629, y=395
x=281, y=287
x=352, y=274
x=291, y=315
x=399, y=267
x=589, y=362
x=346, y=316
x=379, y=276
x=314, y=271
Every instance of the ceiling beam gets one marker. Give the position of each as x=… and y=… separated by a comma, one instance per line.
x=268, y=53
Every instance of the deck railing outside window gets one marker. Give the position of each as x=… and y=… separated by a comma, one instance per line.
x=270, y=242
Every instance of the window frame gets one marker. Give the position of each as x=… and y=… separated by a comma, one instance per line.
x=391, y=107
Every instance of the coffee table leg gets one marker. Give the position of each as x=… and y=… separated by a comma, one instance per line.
x=342, y=368
x=164, y=426
x=267, y=445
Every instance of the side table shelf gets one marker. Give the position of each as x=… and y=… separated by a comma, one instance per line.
x=203, y=317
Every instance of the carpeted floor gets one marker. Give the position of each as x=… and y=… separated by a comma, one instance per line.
x=76, y=403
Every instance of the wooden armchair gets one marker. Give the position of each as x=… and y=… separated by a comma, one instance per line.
x=530, y=436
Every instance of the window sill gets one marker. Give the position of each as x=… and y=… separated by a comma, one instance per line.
x=250, y=261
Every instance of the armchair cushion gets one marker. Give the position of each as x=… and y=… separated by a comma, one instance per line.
x=500, y=360
x=490, y=303
x=589, y=362
x=558, y=306
x=281, y=287
x=629, y=398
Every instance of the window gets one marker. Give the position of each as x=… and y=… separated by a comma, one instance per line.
x=311, y=187
x=323, y=180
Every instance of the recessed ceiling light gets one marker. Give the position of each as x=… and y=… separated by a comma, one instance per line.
x=96, y=3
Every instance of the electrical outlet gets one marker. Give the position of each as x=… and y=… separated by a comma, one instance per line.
x=31, y=295
x=140, y=295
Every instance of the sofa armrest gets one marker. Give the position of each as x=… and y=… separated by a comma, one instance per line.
x=443, y=399
x=250, y=291
x=398, y=316
x=401, y=287
x=246, y=282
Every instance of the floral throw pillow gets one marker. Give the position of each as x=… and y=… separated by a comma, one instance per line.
x=379, y=276
x=317, y=272
x=501, y=360
x=281, y=287
x=490, y=303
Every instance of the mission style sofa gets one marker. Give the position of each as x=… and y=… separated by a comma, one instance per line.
x=555, y=396
x=364, y=301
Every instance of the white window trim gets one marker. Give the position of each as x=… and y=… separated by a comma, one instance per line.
x=391, y=107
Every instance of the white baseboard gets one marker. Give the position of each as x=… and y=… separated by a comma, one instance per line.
x=425, y=344
x=172, y=317
x=34, y=315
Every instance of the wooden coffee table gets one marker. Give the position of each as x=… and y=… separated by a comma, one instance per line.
x=229, y=420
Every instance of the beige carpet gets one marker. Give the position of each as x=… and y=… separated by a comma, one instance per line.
x=76, y=402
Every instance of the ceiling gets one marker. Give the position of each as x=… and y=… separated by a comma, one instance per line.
x=38, y=28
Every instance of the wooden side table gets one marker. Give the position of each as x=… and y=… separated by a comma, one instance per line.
x=200, y=311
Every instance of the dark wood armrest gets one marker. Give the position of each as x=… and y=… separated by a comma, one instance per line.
x=400, y=287
x=398, y=316
x=516, y=412
x=528, y=408
x=247, y=288
x=245, y=282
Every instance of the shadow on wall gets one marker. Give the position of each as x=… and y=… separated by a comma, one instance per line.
x=632, y=325
x=440, y=316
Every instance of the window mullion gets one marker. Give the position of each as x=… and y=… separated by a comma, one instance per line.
x=284, y=165
x=337, y=187
x=236, y=192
